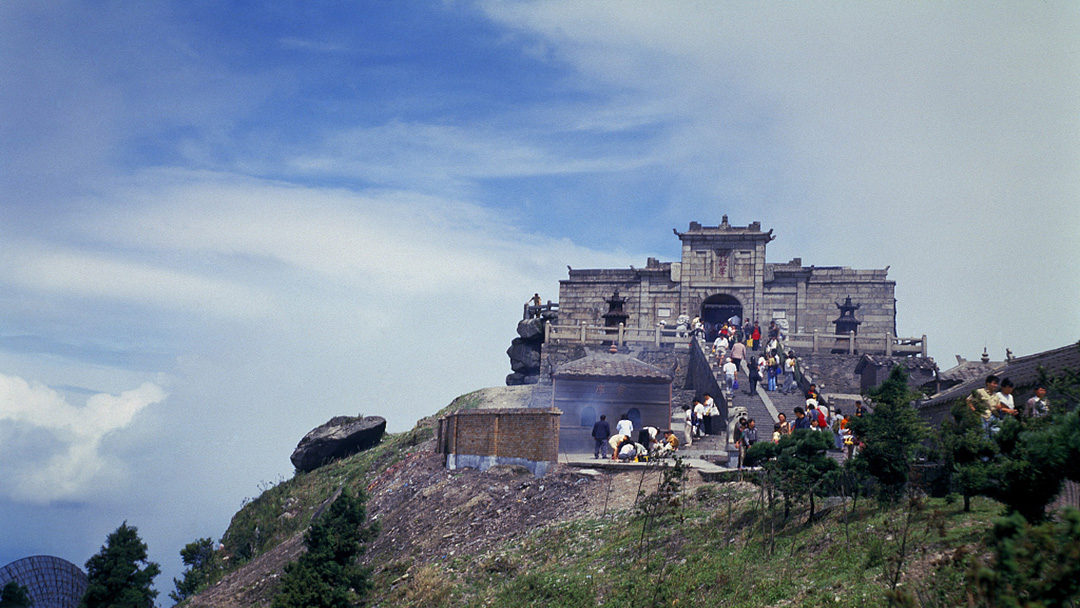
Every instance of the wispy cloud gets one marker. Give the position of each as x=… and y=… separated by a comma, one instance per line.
x=76, y=462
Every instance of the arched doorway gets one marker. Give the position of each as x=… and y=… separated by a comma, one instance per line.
x=717, y=309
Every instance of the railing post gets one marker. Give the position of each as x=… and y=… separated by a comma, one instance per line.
x=547, y=330
x=888, y=344
x=657, y=336
x=621, y=328
x=814, y=348
x=583, y=332
x=851, y=342
x=924, y=345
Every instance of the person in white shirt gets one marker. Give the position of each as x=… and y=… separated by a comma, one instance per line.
x=730, y=374
x=624, y=426
x=699, y=413
x=1005, y=399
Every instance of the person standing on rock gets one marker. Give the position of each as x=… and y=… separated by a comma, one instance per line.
x=601, y=431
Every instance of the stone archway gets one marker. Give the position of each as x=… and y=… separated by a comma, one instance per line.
x=716, y=309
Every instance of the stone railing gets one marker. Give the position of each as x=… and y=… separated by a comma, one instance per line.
x=532, y=311
x=851, y=343
x=620, y=335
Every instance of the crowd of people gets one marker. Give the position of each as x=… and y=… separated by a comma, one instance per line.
x=649, y=442
x=768, y=368
x=994, y=403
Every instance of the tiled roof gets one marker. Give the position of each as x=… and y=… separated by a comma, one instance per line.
x=926, y=363
x=970, y=370
x=1023, y=371
x=623, y=367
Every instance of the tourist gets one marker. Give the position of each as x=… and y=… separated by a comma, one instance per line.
x=835, y=423
x=750, y=434
x=601, y=431
x=748, y=438
x=648, y=437
x=790, y=385
x=845, y=432
x=773, y=370
x=737, y=438
x=627, y=450
x=1037, y=406
x=699, y=418
x=776, y=432
x=738, y=353
x=688, y=426
x=812, y=393
x=755, y=335
x=713, y=423
x=614, y=442
x=801, y=421
x=534, y=304
x=731, y=373
x=624, y=426
x=785, y=426
x=1006, y=407
x=774, y=330
x=984, y=402
x=747, y=329
x=849, y=439
x=670, y=442
x=859, y=409
x=755, y=377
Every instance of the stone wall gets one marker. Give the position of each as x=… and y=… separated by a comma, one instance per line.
x=832, y=373
x=700, y=378
x=870, y=289
x=485, y=438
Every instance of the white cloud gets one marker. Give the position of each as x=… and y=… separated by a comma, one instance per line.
x=77, y=464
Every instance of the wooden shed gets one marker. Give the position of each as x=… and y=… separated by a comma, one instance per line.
x=611, y=385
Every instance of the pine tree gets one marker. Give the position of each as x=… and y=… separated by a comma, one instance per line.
x=119, y=575
x=892, y=433
x=14, y=595
x=198, y=556
x=328, y=575
x=800, y=464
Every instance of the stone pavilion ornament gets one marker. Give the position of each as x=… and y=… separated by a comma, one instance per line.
x=847, y=323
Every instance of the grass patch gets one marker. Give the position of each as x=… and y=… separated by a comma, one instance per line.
x=718, y=551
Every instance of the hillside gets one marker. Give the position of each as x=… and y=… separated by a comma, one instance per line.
x=578, y=538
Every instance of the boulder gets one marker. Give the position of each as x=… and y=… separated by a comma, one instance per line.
x=524, y=356
x=531, y=329
x=518, y=379
x=341, y=436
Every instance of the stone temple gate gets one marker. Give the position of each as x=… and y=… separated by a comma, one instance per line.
x=723, y=273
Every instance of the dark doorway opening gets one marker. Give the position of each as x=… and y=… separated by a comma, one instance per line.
x=716, y=310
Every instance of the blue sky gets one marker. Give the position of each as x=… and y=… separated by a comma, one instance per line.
x=222, y=223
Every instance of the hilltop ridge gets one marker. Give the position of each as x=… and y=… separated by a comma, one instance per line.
x=574, y=537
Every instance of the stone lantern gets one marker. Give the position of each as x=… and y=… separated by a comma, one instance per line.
x=846, y=323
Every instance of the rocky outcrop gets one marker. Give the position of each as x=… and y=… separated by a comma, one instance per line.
x=341, y=436
x=524, y=351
